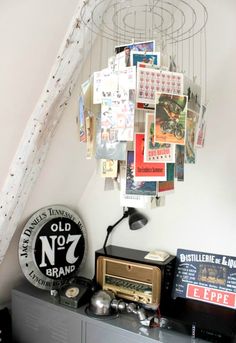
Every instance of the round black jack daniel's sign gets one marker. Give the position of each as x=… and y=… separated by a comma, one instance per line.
x=53, y=245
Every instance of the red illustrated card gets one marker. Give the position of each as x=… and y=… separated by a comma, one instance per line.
x=146, y=171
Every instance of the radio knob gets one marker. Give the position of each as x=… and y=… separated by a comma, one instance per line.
x=136, y=298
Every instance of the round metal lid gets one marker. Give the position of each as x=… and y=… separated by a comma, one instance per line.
x=52, y=246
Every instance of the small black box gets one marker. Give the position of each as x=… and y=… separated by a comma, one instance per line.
x=5, y=326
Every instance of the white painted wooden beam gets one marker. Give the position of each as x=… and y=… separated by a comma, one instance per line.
x=33, y=147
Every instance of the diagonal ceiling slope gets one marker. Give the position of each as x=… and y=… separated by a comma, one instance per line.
x=38, y=134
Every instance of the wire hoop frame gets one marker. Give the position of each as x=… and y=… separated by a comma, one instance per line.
x=171, y=21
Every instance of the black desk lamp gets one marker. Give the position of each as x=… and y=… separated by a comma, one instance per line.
x=136, y=221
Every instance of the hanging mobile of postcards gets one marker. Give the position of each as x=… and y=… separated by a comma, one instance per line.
x=142, y=116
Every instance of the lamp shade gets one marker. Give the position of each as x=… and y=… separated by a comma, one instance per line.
x=136, y=219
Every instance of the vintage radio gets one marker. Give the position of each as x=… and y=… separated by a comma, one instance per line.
x=130, y=276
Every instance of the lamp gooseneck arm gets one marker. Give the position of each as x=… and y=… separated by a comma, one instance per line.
x=111, y=227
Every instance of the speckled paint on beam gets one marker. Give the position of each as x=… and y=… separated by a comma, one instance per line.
x=33, y=147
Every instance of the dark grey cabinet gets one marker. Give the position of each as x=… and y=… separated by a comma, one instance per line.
x=38, y=318
x=36, y=321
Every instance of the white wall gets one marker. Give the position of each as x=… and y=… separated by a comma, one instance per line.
x=31, y=33
x=200, y=214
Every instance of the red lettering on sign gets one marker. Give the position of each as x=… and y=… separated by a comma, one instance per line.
x=210, y=295
x=151, y=153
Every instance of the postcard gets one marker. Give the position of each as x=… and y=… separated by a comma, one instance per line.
x=117, y=117
x=137, y=201
x=111, y=63
x=146, y=171
x=168, y=185
x=90, y=133
x=154, y=151
x=86, y=107
x=147, y=46
x=86, y=88
x=137, y=46
x=108, y=150
x=85, y=102
x=82, y=128
x=151, y=80
x=170, y=118
x=192, y=120
x=123, y=110
x=87, y=92
x=120, y=62
x=165, y=187
x=158, y=201
x=137, y=187
x=201, y=128
x=193, y=92
x=111, y=184
x=132, y=200
x=109, y=168
x=107, y=122
x=126, y=79
x=152, y=58
x=98, y=78
x=145, y=105
x=179, y=162
x=105, y=84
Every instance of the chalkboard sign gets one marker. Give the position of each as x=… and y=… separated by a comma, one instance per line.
x=205, y=277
